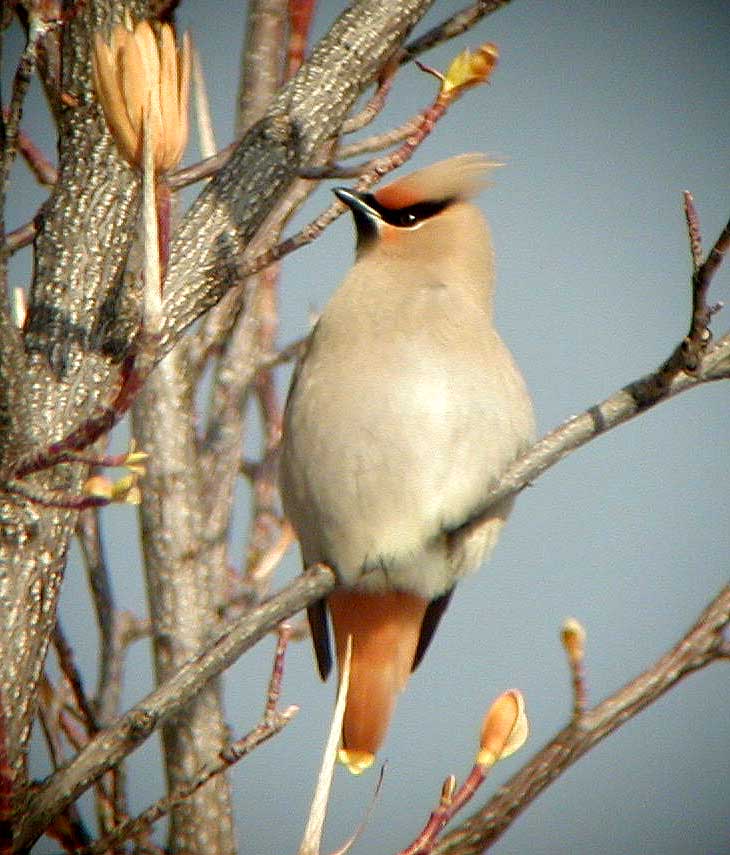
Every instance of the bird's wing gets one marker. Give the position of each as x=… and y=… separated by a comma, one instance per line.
x=434, y=613
x=317, y=616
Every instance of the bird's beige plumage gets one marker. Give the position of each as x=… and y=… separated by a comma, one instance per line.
x=405, y=408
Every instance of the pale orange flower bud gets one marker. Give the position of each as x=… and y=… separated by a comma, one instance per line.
x=126, y=491
x=135, y=459
x=504, y=729
x=469, y=68
x=136, y=72
x=98, y=486
x=573, y=637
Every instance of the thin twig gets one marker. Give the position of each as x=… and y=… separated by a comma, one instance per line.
x=264, y=529
x=369, y=174
x=44, y=171
x=67, y=663
x=203, y=169
x=133, y=374
x=258, y=574
x=132, y=728
x=693, y=230
x=21, y=83
x=449, y=805
x=450, y=28
x=694, y=359
x=289, y=353
x=374, y=105
x=62, y=717
x=378, y=142
x=272, y=722
x=117, y=630
x=698, y=648
x=21, y=237
x=572, y=636
x=301, y=14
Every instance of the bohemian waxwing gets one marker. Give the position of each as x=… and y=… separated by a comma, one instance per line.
x=404, y=410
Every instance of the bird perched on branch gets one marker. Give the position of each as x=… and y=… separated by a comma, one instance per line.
x=404, y=410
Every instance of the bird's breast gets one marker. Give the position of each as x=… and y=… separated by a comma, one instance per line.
x=391, y=436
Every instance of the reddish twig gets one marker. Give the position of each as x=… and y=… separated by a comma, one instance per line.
x=39, y=164
x=450, y=803
x=289, y=353
x=273, y=691
x=133, y=375
x=573, y=637
x=703, y=644
x=264, y=528
x=370, y=173
x=301, y=14
x=259, y=572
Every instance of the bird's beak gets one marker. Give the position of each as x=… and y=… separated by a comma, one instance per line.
x=366, y=215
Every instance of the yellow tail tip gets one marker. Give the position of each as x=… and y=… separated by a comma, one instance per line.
x=356, y=761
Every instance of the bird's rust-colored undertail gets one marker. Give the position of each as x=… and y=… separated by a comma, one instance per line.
x=385, y=628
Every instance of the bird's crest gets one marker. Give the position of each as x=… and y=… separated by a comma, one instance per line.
x=459, y=177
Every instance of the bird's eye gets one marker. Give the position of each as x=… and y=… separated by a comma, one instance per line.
x=411, y=216
x=407, y=218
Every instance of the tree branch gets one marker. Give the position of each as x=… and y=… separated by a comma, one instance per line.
x=450, y=28
x=114, y=743
x=272, y=722
x=617, y=409
x=305, y=115
x=700, y=646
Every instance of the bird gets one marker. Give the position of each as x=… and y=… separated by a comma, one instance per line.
x=404, y=409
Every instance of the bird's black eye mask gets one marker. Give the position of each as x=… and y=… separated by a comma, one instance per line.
x=407, y=218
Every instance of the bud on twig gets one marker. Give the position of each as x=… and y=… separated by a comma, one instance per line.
x=504, y=729
x=573, y=637
x=469, y=68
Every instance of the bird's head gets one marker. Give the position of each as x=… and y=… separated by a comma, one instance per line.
x=426, y=213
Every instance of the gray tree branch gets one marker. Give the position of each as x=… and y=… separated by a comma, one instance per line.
x=117, y=741
x=703, y=644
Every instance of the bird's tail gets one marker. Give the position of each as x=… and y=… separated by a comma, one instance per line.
x=385, y=628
